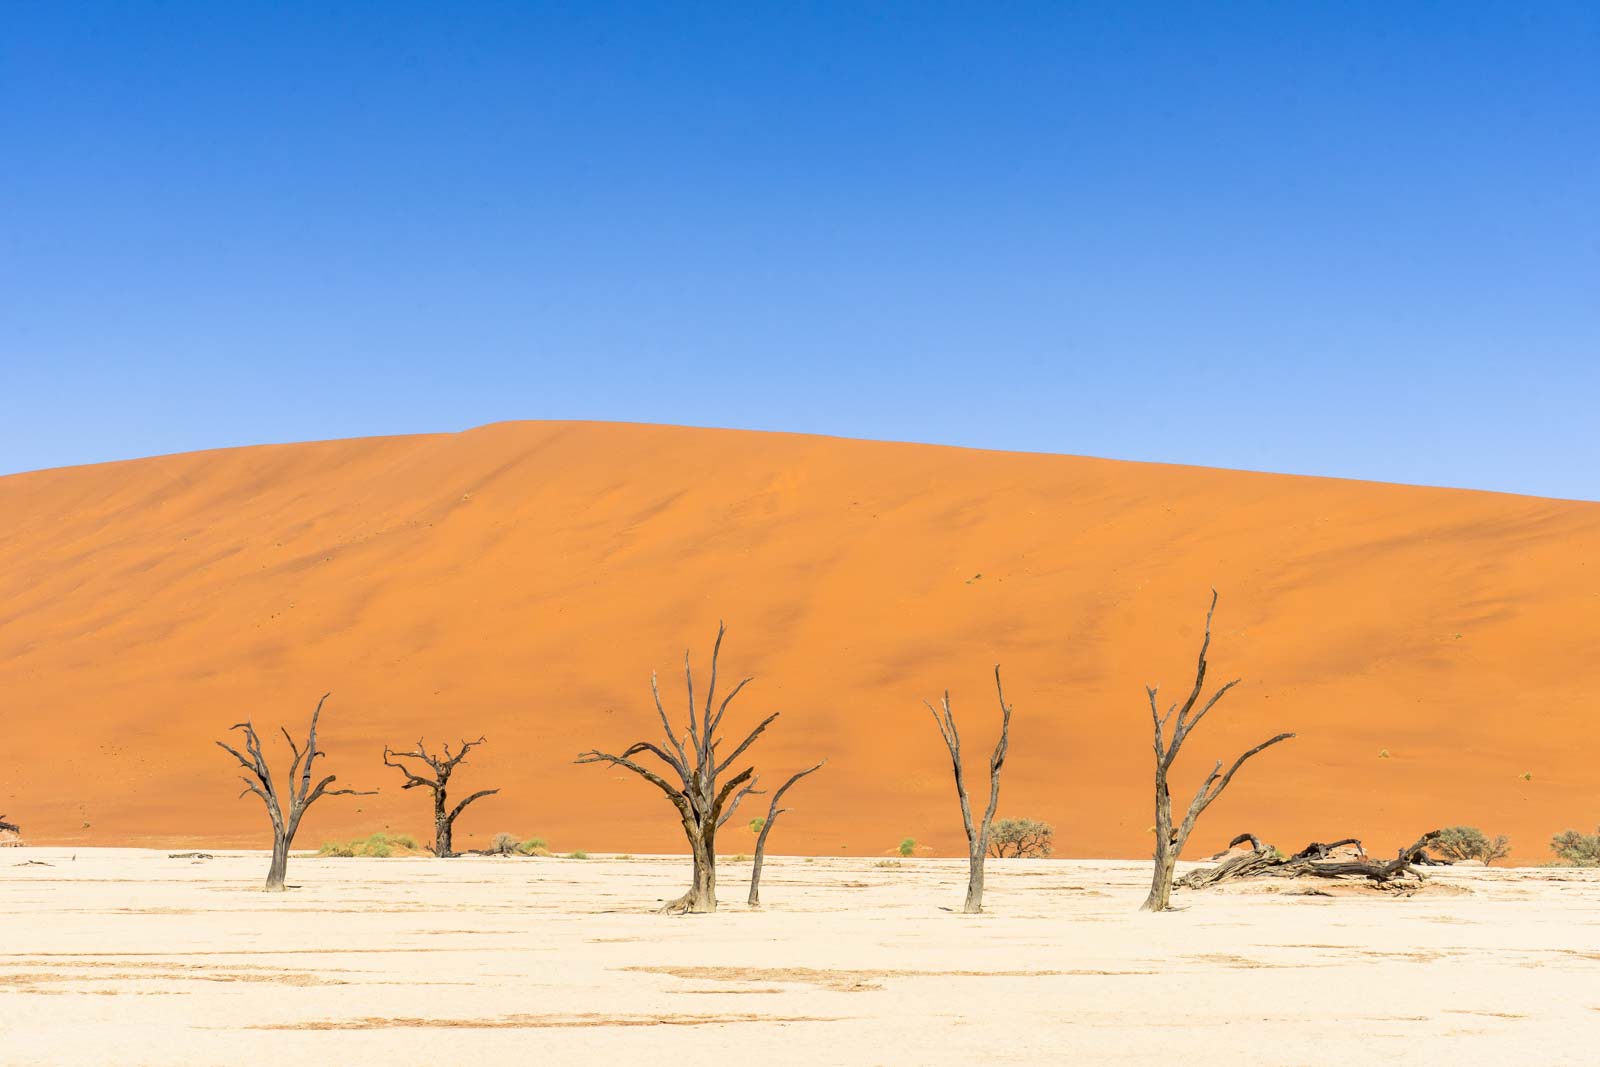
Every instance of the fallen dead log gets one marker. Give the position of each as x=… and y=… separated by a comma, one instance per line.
x=1319, y=851
x=1266, y=861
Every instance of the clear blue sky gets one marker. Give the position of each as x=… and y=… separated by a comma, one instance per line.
x=1346, y=239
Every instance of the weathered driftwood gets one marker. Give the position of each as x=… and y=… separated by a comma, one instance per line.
x=1264, y=861
x=1170, y=839
x=444, y=817
x=302, y=794
x=1319, y=851
x=773, y=811
x=977, y=835
x=703, y=799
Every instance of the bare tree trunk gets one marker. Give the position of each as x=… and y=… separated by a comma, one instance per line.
x=754, y=899
x=974, y=901
x=1166, y=860
x=773, y=811
x=1170, y=840
x=977, y=833
x=703, y=891
x=442, y=844
x=280, y=864
x=701, y=897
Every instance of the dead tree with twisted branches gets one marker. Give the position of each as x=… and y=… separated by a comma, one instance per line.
x=977, y=834
x=773, y=811
x=703, y=796
x=1169, y=839
x=444, y=817
x=302, y=794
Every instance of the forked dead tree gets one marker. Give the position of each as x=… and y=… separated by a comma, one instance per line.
x=302, y=794
x=444, y=817
x=702, y=796
x=773, y=811
x=1169, y=839
x=977, y=835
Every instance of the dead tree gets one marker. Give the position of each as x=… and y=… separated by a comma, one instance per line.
x=13, y=827
x=702, y=796
x=1169, y=839
x=302, y=794
x=977, y=835
x=773, y=811
x=444, y=818
x=1314, y=861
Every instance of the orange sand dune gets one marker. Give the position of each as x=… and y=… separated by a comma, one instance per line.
x=522, y=580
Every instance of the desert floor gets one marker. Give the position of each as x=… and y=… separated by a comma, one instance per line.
x=123, y=956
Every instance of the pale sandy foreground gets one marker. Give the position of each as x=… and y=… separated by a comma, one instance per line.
x=120, y=956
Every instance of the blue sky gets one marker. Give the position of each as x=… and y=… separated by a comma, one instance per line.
x=1359, y=240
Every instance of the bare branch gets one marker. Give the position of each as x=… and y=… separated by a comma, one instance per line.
x=479, y=795
x=1226, y=778
x=733, y=806
x=675, y=795
x=746, y=743
x=683, y=757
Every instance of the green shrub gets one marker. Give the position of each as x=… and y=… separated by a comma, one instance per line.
x=1021, y=839
x=1576, y=849
x=908, y=846
x=757, y=824
x=406, y=841
x=1470, y=843
x=580, y=854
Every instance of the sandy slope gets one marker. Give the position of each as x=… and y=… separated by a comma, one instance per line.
x=119, y=957
x=521, y=580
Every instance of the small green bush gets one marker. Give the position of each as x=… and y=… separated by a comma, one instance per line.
x=757, y=824
x=580, y=854
x=1021, y=839
x=533, y=846
x=908, y=846
x=1470, y=843
x=1574, y=849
